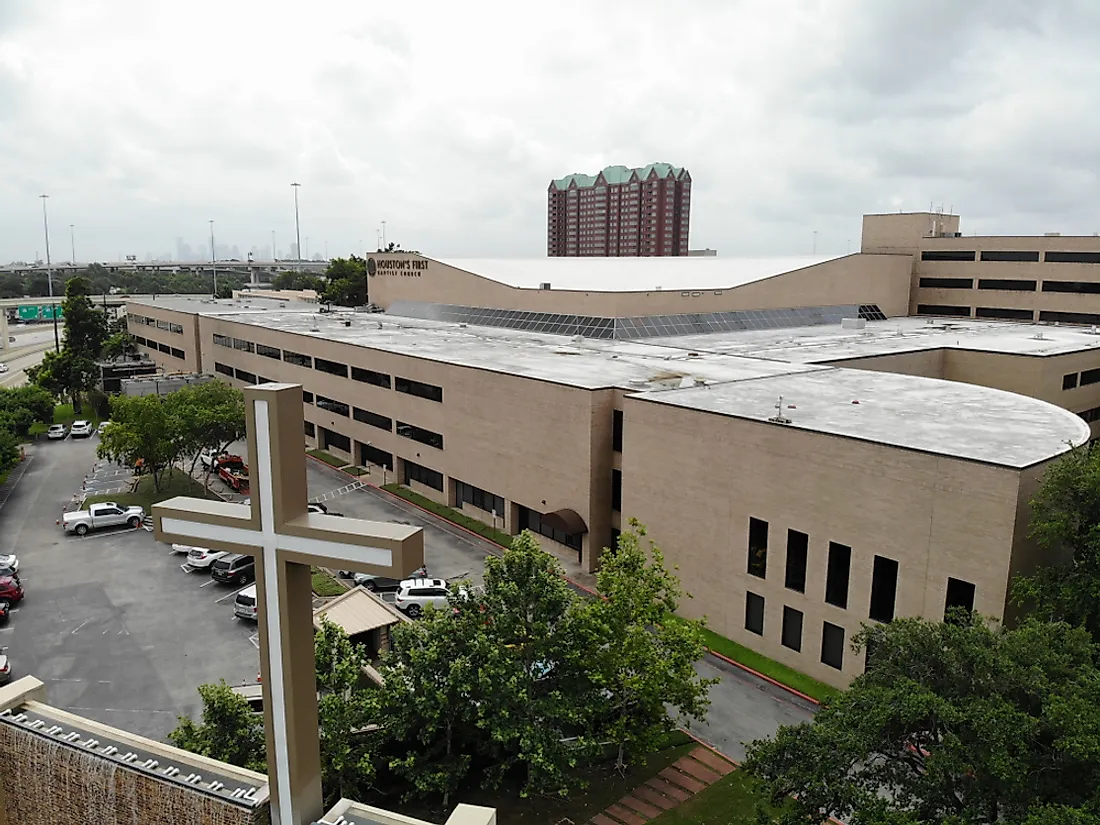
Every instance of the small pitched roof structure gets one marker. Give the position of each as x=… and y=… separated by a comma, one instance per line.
x=357, y=611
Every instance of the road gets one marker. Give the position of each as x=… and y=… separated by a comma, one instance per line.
x=28, y=350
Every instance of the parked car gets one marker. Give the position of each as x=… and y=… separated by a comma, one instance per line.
x=413, y=595
x=5, y=611
x=8, y=561
x=102, y=428
x=201, y=558
x=245, y=605
x=57, y=432
x=5, y=666
x=11, y=590
x=97, y=516
x=381, y=584
x=3, y=367
x=81, y=429
x=234, y=568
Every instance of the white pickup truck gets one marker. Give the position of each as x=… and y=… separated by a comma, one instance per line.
x=107, y=514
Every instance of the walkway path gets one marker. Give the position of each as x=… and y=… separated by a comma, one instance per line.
x=677, y=783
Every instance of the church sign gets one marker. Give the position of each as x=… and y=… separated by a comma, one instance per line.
x=407, y=267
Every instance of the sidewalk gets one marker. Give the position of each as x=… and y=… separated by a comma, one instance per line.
x=13, y=477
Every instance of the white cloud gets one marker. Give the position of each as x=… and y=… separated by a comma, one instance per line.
x=144, y=120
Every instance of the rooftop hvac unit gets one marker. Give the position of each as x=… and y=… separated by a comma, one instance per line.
x=544, y=285
x=853, y=323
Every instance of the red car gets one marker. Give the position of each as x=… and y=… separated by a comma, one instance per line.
x=11, y=590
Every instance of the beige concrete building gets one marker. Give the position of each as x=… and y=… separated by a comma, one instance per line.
x=810, y=456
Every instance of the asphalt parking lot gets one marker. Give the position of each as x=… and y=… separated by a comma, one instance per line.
x=110, y=623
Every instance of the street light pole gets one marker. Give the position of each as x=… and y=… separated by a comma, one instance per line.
x=297, y=227
x=274, y=254
x=383, y=236
x=72, y=241
x=49, y=275
x=213, y=261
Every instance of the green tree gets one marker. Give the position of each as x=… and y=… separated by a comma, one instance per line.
x=534, y=693
x=644, y=654
x=208, y=416
x=23, y=406
x=427, y=698
x=11, y=285
x=347, y=282
x=958, y=722
x=1065, y=521
x=345, y=710
x=298, y=280
x=85, y=325
x=65, y=373
x=9, y=448
x=142, y=428
x=228, y=731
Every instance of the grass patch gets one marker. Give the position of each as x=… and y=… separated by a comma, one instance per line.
x=356, y=471
x=329, y=459
x=732, y=800
x=325, y=584
x=452, y=515
x=4, y=475
x=175, y=483
x=762, y=664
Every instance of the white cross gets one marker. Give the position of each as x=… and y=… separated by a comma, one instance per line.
x=285, y=540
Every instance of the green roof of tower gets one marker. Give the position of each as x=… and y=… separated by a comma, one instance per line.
x=619, y=174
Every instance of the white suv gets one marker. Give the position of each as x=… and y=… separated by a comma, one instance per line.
x=81, y=429
x=200, y=558
x=413, y=595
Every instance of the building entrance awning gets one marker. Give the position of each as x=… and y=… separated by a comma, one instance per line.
x=565, y=519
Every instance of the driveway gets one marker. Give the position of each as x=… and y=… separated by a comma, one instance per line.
x=114, y=628
x=743, y=708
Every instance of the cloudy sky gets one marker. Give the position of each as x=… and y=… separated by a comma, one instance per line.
x=144, y=120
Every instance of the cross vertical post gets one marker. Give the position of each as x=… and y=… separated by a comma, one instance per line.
x=285, y=540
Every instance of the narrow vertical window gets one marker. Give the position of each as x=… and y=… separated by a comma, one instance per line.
x=758, y=548
x=836, y=581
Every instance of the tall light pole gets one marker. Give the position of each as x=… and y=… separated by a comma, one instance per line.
x=213, y=260
x=274, y=254
x=72, y=241
x=49, y=275
x=297, y=227
x=383, y=236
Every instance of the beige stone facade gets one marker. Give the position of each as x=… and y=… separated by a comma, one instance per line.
x=881, y=466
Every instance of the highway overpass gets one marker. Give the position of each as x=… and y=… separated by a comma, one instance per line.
x=242, y=267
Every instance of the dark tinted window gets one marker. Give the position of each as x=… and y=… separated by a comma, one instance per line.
x=246, y=376
x=1084, y=287
x=758, y=548
x=482, y=499
x=372, y=455
x=617, y=431
x=269, y=352
x=424, y=475
x=1005, y=313
x=337, y=440
x=1073, y=258
x=1009, y=255
x=333, y=406
x=1069, y=381
x=331, y=367
x=792, y=628
x=884, y=588
x=406, y=430
x=223, y=369
x=836, y=581
x=947, y=283
x=1090, y=377
x=297, y=358
x=374, y=419
x=1011, y=284
x=946, y=255
x=960, y=595
x=832, y=645
x=797, y=552
x=754, y=614
x=418, y=388
x=311, y=430
x=1069, y=317
x=942, y=309
x=379, y=379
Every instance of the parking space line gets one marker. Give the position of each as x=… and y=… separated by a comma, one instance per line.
x=207, y=584
x=234, y=593
x=255, y=639
x=77, y=628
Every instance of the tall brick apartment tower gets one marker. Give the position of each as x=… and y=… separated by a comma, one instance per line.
x=619, y=212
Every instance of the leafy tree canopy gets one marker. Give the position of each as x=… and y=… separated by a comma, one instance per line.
x=347, y=282
x=955, y=722
x=297, y=281
x=1065, y=521
x=143, y=428
x=228, y=730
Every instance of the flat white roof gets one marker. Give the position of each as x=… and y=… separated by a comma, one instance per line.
x=927, y=414
x=632, y=274
x=743, y=374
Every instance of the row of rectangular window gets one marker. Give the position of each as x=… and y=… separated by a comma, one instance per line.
x=1045, y=315
x=159, y=347
x=1073, y=380
x=432, y=439
x=1012, y=285
x=884, y=580
x=1091, y=415
x=482, y=499
x=1027, y=256
x=168, y=326
x=380, y=379
x=533, y=520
